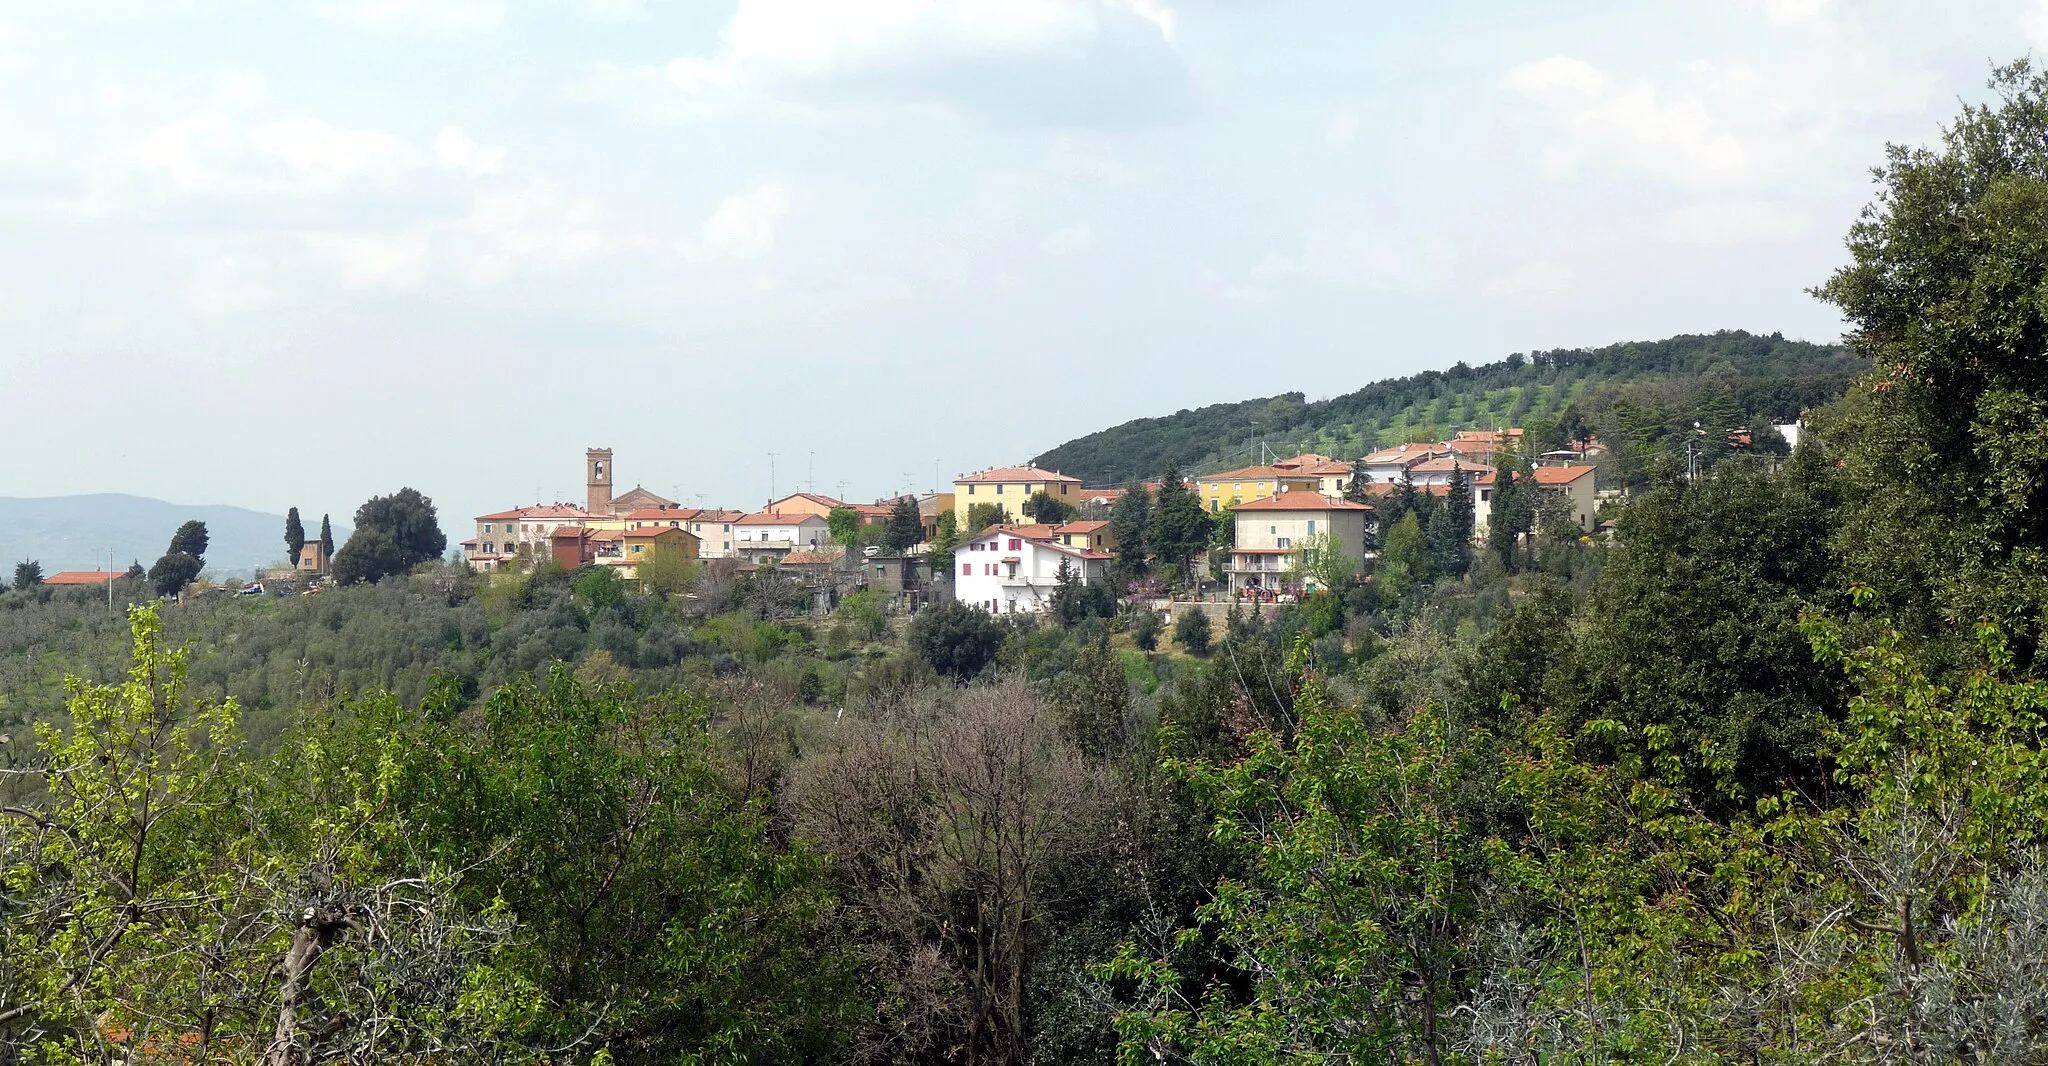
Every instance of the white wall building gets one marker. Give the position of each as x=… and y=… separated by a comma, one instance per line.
x=501, y=538
x=1002, y=571
x=768, y=536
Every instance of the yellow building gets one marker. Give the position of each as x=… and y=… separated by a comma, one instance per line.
x=1009, y=487
x=638, y=543
x=1232, y=487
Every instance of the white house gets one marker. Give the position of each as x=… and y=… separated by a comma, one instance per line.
x=1003, y=571
x=1270, y=533
x=768, y=536
x=510, y=539
x=1438, y=471
x=1387, y=465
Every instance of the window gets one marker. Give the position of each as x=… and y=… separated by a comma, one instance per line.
x=487, y=527
x=1063, y=489
x=1215, y=505
x=1286, y=543
x=999, y=490
x=1016, y=545
x=1311, y=527
x=966, y=569
x=970, y=490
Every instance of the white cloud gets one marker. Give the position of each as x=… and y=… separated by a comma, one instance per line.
x=1531, y=284
x=1792, y=12
x=1678, y=134
x=323, y=155
x=229, y=285
x=419, y=16
x=15, y=54
x=1342, y=130
x=2034, y=23
x=457, y=151
x=1080, y=61
x=1361, y=255
x=1068, y=240
x=375, y=260
x=1731, y=221
x=236, y=143
x=537, y=225
x=744, y=225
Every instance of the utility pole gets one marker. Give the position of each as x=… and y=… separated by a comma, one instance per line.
x=771, y=477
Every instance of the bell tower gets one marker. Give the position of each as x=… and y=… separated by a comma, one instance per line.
x=597, y=471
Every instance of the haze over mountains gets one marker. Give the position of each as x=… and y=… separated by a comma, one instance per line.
x=78, y=532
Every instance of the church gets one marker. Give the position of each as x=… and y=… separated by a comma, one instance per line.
x=597, y=465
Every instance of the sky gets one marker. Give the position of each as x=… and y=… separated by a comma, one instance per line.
x=303, y=252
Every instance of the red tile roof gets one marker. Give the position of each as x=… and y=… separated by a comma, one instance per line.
x=652, y=532
x=1031, y=531
x=778, y=518
x=1560, y=475
x=1404, y=453
x=664, y=514
x=1301, y=501
x=549, y=511
x=826, y=501
x=816, y=558
x=82, y=577
x=1015, y=473
x=1080, y=527
x=1444, y=464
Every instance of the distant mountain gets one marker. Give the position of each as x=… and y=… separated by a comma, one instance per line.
x=76, y=532
x=1646, y=391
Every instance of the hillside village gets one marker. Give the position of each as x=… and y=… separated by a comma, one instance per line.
x=1005, y=539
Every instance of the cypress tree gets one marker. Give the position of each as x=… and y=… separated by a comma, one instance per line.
x=326, y=538
x=294, y=536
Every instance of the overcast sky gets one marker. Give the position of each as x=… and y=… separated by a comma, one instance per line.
x=273, y=252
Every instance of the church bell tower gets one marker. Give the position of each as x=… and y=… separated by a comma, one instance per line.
x=597, y=469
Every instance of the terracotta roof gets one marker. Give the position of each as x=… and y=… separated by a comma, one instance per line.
x=1321, y=467
x=1304, y=459
x=1078, y=553
x=778, y=518
x=610, y=534
x=571, y=532
x=1301, y=501
x=816, y=558
x=1444, y=464
x=1080, y=527
x=652, y=532
x=811, y=496
x=1015, y=473
x=1404, y=453
x=82, y=577
x=1032, y=531
x=715, y=515
x=663, y=514
x=1560, y=475
x=553, y=510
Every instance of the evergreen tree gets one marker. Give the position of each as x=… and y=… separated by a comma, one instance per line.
x=1450, y=528
x=1512, y=511
x=944, y=541
x=28, y=573
x=1179, y=528
x=906, y=526
x=191, y=539
x=1130, y=522
x=294, y=537
x=326, y=539
x=1360, y=481
x=1042, y=507
x=393, y=534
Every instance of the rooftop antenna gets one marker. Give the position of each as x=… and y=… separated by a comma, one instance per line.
x=811, y=475
x=771, y=477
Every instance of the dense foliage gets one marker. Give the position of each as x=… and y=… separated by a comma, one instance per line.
x=1641, y=396
x=1762, y=779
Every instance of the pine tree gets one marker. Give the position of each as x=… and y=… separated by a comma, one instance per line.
x=294, y=537
x=906, y=526
x=1450, y=529
x=1179, y=528
x=1360, y=481
x=1130, y=521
